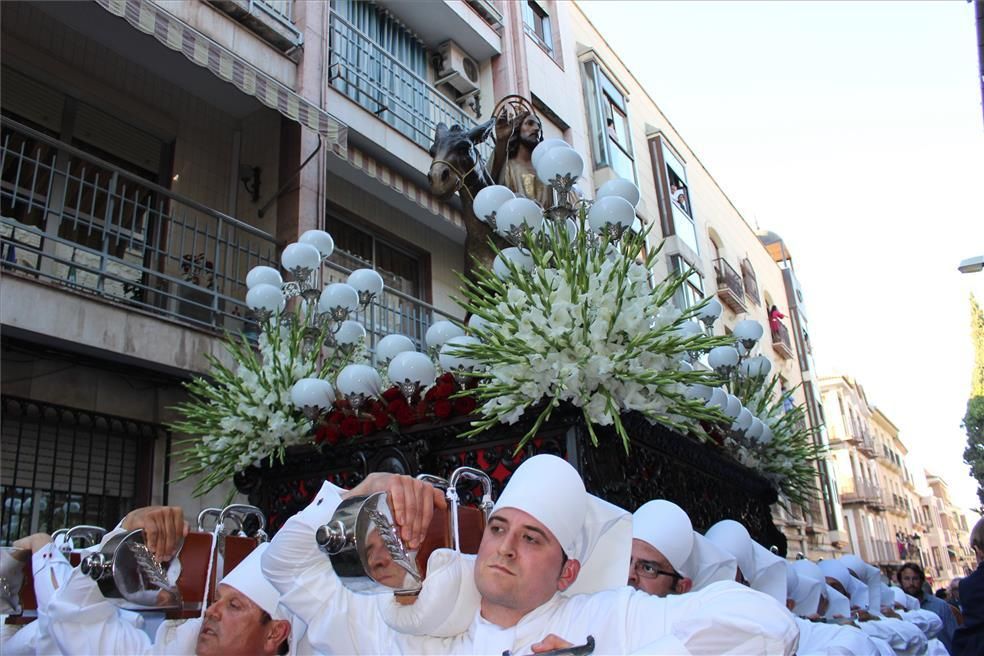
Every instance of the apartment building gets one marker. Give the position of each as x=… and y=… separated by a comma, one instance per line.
x=891, y=516
x=154, y=152
x=949, y=536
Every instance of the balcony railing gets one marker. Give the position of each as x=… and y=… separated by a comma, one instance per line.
x=73, y=219
x=729, y=285
x=379, y=82
x=862, y=493
x=780, y=340
x=273, y=20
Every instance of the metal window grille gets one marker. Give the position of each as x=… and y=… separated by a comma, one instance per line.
x=62, y=467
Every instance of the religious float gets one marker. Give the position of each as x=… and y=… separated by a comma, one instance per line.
x=570, y=346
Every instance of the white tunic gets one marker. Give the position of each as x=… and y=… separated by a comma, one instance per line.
x=83, y=622
x=819, y=639
x=903, y=637
x=50, y=569
x=723, y=618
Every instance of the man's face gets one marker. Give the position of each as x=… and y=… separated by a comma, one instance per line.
x=911, y=582
x=232, y=626
x=519, y=562
x=381, y=566
x=646, y=570
x=529, y=131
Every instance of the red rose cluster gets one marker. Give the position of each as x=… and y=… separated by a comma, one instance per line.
x=393, y=411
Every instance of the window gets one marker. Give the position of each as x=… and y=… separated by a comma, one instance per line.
x=64, y=467
x=750, y=281
x=537, y=22
x=611, y=134
x=402, y=269
x=692, y=291
x=674, y=194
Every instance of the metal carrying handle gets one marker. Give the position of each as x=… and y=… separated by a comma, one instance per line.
x=93, y=534
x=238, y=512
x=577, y=650
x=469, y=473
x=204, y=515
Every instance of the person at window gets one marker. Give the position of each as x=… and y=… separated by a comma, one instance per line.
x=612, y=134
x=775, y=319
x=512, y=164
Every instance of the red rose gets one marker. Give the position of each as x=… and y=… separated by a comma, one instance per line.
x=442, y=409
x=368, y=427
x=327, y=433
x=381, y=419
x=405, y=416
x=465, y=405
x=349, y=426
x=396, y=405
x=392, y=394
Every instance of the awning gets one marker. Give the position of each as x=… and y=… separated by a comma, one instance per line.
x=181, y=37
x=404, y=186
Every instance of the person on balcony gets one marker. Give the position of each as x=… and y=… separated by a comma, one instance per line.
x=550, y=568
x=775, y=319
x=245, y=617
x=669, y=557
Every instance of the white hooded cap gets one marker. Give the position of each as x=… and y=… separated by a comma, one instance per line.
x=809, y=587
x=666, y=527
x=550, y=490
x=837, y=604
x=249, y=580
x=734, y=539
x=911, y=603
x=770, y=573
x=857, y=590
x=869, y=575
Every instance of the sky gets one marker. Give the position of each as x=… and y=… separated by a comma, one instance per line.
x=855, y=131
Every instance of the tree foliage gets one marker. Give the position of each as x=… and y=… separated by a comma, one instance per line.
x=973, y=421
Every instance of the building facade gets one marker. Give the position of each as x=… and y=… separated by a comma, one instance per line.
x=892, y=515
x=154, y=152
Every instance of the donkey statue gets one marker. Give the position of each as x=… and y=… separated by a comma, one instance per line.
x=458, y=167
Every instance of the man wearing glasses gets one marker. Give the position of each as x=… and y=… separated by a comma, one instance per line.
x=669, y=557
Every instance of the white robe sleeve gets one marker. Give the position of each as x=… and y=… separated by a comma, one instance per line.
x=818, y=639
x=337, y=620
x=723, y=618
x=82, y=622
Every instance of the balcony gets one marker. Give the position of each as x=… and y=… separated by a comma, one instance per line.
x=729, y=287
x=73, y=220
x=374, y=79
x=866, y=445
x=272, y=20
x=780, y=340
x=863, y=493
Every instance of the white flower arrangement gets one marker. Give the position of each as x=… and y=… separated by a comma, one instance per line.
x=240, y=417
x=789, y=460
x=583, y=326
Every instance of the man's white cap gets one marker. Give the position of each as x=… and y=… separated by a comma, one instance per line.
x=869, y=575
x=792, y=581
x=837, y=604
x=249, y=580
x=888, y=596
x=810, y=586
x=550, y=490
x=911, y=603
x=733, y=538
x=770, y=573
x=666, y=527
x=857, y=590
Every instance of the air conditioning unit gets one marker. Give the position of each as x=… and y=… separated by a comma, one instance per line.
x=457, y=68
